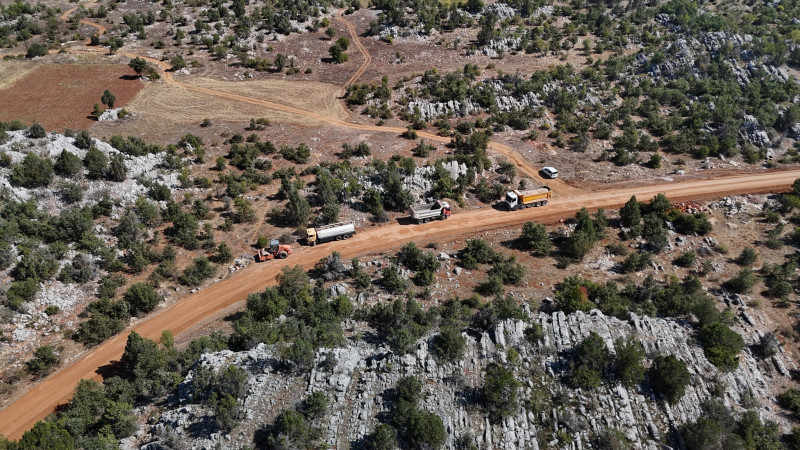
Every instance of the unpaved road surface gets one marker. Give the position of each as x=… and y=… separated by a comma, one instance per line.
x=57, y=388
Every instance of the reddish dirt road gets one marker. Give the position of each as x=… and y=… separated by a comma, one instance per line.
x=357, y=42
x=57, y=388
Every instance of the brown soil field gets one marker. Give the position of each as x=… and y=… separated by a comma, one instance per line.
x=62, y=95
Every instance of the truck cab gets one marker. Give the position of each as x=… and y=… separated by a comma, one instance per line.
x=311, y=236
x=512, y=200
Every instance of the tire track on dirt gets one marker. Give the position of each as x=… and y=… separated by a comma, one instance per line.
x=363, y=50
x=231, y=292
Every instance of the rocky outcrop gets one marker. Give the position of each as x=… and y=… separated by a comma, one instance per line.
x=365, y=371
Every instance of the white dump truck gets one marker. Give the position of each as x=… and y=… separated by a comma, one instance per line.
x=332, y=232
x=439, y=209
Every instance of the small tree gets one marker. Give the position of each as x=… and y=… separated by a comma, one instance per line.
x=139, y=65
x=141, y=298
x=108, y=99
x=44, y=358
x=535, y=237
x=36, y=131
x=747, y=257
x=96, y=163
x=627, y=362
x=499, y=392
x=35, y=50
x=669, y=377
x=177, y=62
x=449, y=344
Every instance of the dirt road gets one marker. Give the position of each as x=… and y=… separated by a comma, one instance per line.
x=357, y=42
x=58, y=388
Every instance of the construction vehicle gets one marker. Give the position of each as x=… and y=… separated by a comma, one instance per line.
x=439, y=209
x=326, y=233
x=517, y=199
x=275, y=250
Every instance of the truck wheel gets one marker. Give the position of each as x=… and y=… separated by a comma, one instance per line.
x=282, y=255
x=516, y=207
x=443, y=217
x=313, y=243
x=339, y=237
x=348, y=236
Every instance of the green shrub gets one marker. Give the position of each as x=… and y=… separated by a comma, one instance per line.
x=449, y=344
x=141, y=298
x=721, y=345
x=742, y=282
x=627, y=362
x=476, y=252
x=589, y=359
x=195, y=274
x=534, y=237
x=32, y=172
x=790, y=400
x=669, y=377
x=499, y=393
x=687, y=259
x=44, y=358
x=747, y=257
x=67, y=164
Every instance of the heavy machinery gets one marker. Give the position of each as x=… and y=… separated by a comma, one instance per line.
x=439, y=209
x=275, y=250
x=334, y=231
x=517, y=199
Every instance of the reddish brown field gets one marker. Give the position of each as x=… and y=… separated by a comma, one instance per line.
x=61, y=96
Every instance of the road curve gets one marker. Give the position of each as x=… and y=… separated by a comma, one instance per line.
x=58, y=387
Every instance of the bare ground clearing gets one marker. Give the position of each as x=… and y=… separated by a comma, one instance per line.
x=62, y=95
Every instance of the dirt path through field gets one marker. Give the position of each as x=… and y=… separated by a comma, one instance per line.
x=357, y=42
x=197, y=308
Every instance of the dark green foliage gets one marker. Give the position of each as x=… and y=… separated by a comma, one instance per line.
x=67, y=164
x=32, y=172
x=654, y=233
x=401, y=324
x=408, y=389
x=297, y=155
x=384, y=437
x=267, y=305
x=141, y=298
x=696, y=223
x=197, y=272
x=588, y=361
x=499, y=393
x=627, y=362
x=686, y=259
x=742, y=282
x=395, y=196
x=630, y=216
x=476, y=252
x=36, y=49
x=116, y=171
x=297, y=208
x=747, y=257
x=45, y=435
x=291, y=430
x=44, y=358
x=96, y=163
x=636, y=262
x=144, y=364
x=184, y=230
x=314, y=405
x=37, y=264
x=108, y=98
x=535, y=238
x=717, y=427
x=392, y=281
x=790, y=400
x=36, y=131
x=669, y=377
x=502, y=308
x=449, y=344
x=721, y=345
x=20, y=292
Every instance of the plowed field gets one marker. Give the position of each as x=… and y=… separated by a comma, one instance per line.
x=61, y=96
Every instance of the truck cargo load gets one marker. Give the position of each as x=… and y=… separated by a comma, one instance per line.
x=439, y=209
x=334, y=231
x=518, y=199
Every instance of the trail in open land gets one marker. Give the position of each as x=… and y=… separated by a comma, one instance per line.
x=194, y=309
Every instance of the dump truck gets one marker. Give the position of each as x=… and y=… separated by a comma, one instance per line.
x=439, y=209
x=517, y=199
x=325, y=233
x=275, y=250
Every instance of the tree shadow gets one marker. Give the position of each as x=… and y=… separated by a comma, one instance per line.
x=130, y=77
x=108, y=370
